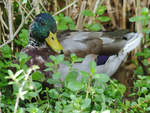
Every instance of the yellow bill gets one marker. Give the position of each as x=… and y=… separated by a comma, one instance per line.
x=53, y=43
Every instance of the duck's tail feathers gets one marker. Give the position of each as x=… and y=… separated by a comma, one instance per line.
x=134, y=40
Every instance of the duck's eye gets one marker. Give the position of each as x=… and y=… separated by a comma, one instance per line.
x=42, y=22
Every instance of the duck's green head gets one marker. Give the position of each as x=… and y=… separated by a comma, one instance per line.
x=43, y=29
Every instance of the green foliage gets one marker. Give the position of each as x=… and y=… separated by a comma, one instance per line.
x=70, y=96
x=23, y=38
x=6, y=51
x=141, y=88
x=64, y=22
x=95, y=26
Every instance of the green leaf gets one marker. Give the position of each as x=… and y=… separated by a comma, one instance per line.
x=23, y=58
x=102, y=77
x=23, y=38
x=38, y=76
x=74, y=85
x=53, y=93
x=93, y=27
x=146, y=30
x=86, y=103
x=56, y=75
x=71, y=76
x=103, y=18
x=85, y=74
x=139, y=71
x=88, y=13
x=59, y=59
x=137, y=18
x=144, y=90
x=6, y=51
x=61, y=27
x=92, y=67
x=101, y=10
x=72, y=27
x=144, y=11
x=53, y=58
x=145, y=62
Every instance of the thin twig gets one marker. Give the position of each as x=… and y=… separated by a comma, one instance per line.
x=80, y=18
x=21, y=89
x=89, y=85
x=109, y=9
x=94, y=11
x=2, y=20
x=65, y=8
x=10, y=19
x=43, y=6
x=19, y=28
x=36, y=6
x=124, y=14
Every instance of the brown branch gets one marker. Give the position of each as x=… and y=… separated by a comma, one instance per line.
x=65, y=8
x=19, y=28
x=10, y=19
x=80, y=18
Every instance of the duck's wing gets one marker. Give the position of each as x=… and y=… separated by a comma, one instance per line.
x=112, y=64
x=81, y=43
x=126, y=42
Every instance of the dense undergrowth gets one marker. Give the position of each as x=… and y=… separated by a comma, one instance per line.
x=22, y=91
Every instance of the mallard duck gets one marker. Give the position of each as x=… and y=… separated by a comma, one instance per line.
x=109, y=45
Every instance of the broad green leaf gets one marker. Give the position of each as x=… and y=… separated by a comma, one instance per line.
x=85, y=74
x=6, y=51
x=38, y=76
x=62, y=26
x=71, y=76
x=56, y=75
x=74, y=85
x=86, y=103
x=101, y=10
x=93, y=27
x=87, y=13
x=23, y=38
x=103, y=18
x=136, y=18
x=144, y=11
x=59, y=59
x=144, y=90
x=102, y=77
x=53, y=58
x=53, y=93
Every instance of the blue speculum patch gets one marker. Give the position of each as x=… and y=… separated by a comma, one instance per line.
x=101, y=59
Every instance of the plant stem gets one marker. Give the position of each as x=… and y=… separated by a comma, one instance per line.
x=89, y=84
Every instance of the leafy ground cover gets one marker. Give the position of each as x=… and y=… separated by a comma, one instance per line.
x=22, y=91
